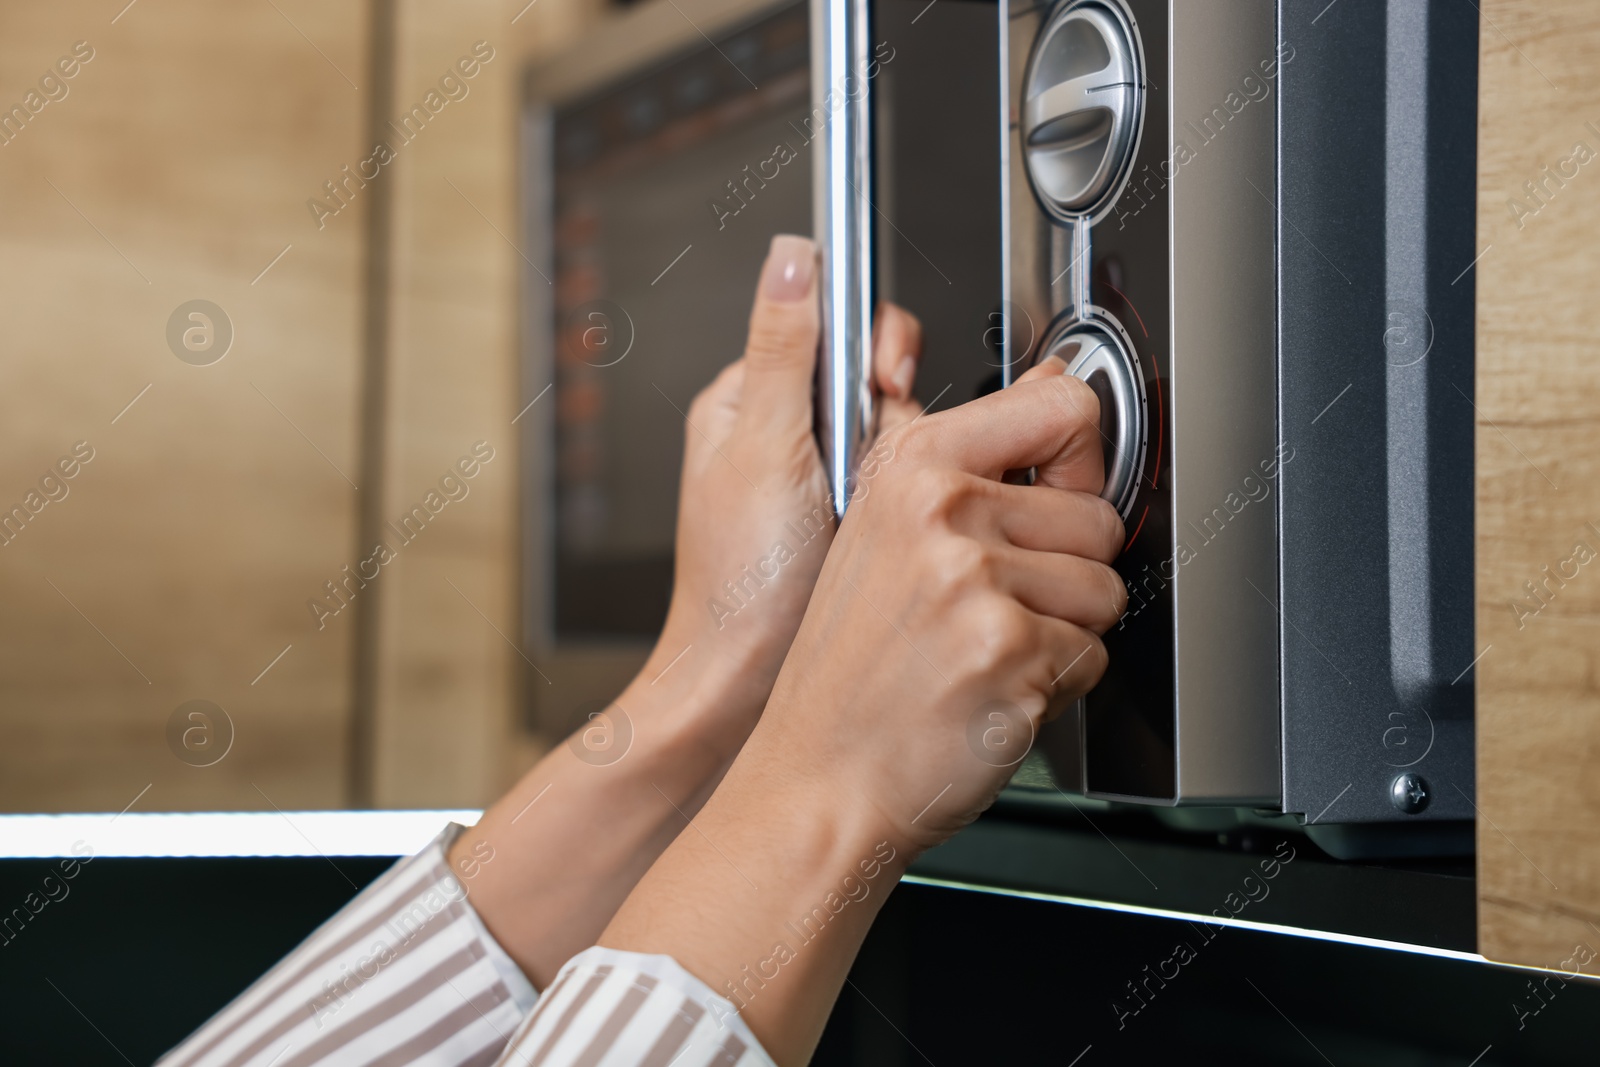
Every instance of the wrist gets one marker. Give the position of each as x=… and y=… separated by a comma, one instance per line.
x=797, y=873
x=832, y=825
x=712, y=688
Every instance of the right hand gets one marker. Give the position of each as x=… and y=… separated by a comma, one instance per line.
x=946, y=591
x=954, y=611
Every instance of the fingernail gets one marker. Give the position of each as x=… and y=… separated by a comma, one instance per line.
x=904, y=375
x=786, y=277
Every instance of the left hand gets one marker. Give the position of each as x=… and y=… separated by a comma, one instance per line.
x=546, y=873
x=755, y=518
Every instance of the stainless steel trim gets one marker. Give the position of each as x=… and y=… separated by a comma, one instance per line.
x=1009, y=311
x=1223, y=402
x=842, y=192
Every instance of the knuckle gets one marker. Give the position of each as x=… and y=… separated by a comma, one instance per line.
x=1015, y=635
x=895, y=443
x=1089, y=666
x=969, y=562
x=782, y=335
x=1004, y=635
x=939, y=492
x=1077, y=399
x=912, y=440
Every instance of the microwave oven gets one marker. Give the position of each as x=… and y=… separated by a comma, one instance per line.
x=1248, y=223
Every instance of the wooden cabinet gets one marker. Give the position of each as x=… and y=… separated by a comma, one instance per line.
x=184, y=150
x=1538, y=482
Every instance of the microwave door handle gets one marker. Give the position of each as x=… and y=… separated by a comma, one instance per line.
x=840, y=124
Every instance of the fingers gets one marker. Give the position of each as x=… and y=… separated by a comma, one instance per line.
x=1077, y=658
x=1073, y=589
x=1078, y=523
x=896, y=346
x=896, y=351
x=1051, y=422
x=1056, y=473
x=1049, y=367
x=781, y=351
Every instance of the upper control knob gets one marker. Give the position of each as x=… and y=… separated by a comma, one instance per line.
x=1082, y=107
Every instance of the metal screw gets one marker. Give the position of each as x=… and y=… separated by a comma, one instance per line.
x=1409, y=793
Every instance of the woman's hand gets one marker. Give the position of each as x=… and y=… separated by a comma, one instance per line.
x=550, y=862
x=954, y=610
x=755, y=517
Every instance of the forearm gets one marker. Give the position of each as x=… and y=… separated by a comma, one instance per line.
x=768, y=899
x=554, y=858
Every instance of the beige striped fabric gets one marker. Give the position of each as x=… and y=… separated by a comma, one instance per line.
x=406, y=973
x=622, y=1009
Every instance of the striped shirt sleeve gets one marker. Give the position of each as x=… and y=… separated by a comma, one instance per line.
x=406, y=973
x=609, y=1008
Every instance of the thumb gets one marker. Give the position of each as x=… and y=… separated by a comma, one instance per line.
x=1050, y=421
x=781, y=350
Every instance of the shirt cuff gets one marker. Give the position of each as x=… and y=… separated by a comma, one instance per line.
x=404, y=973
x=611, y=1008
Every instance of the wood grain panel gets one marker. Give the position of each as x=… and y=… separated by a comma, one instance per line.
x=195, y=145
x=177, y=166
x=446, y=692
x=1538, y=481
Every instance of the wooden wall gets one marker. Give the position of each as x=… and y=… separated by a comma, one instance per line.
x=176, y=167
x=1538, y=482
x=446, y=693
x=179, y=165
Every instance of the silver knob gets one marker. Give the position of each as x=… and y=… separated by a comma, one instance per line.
x=1082, y=107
